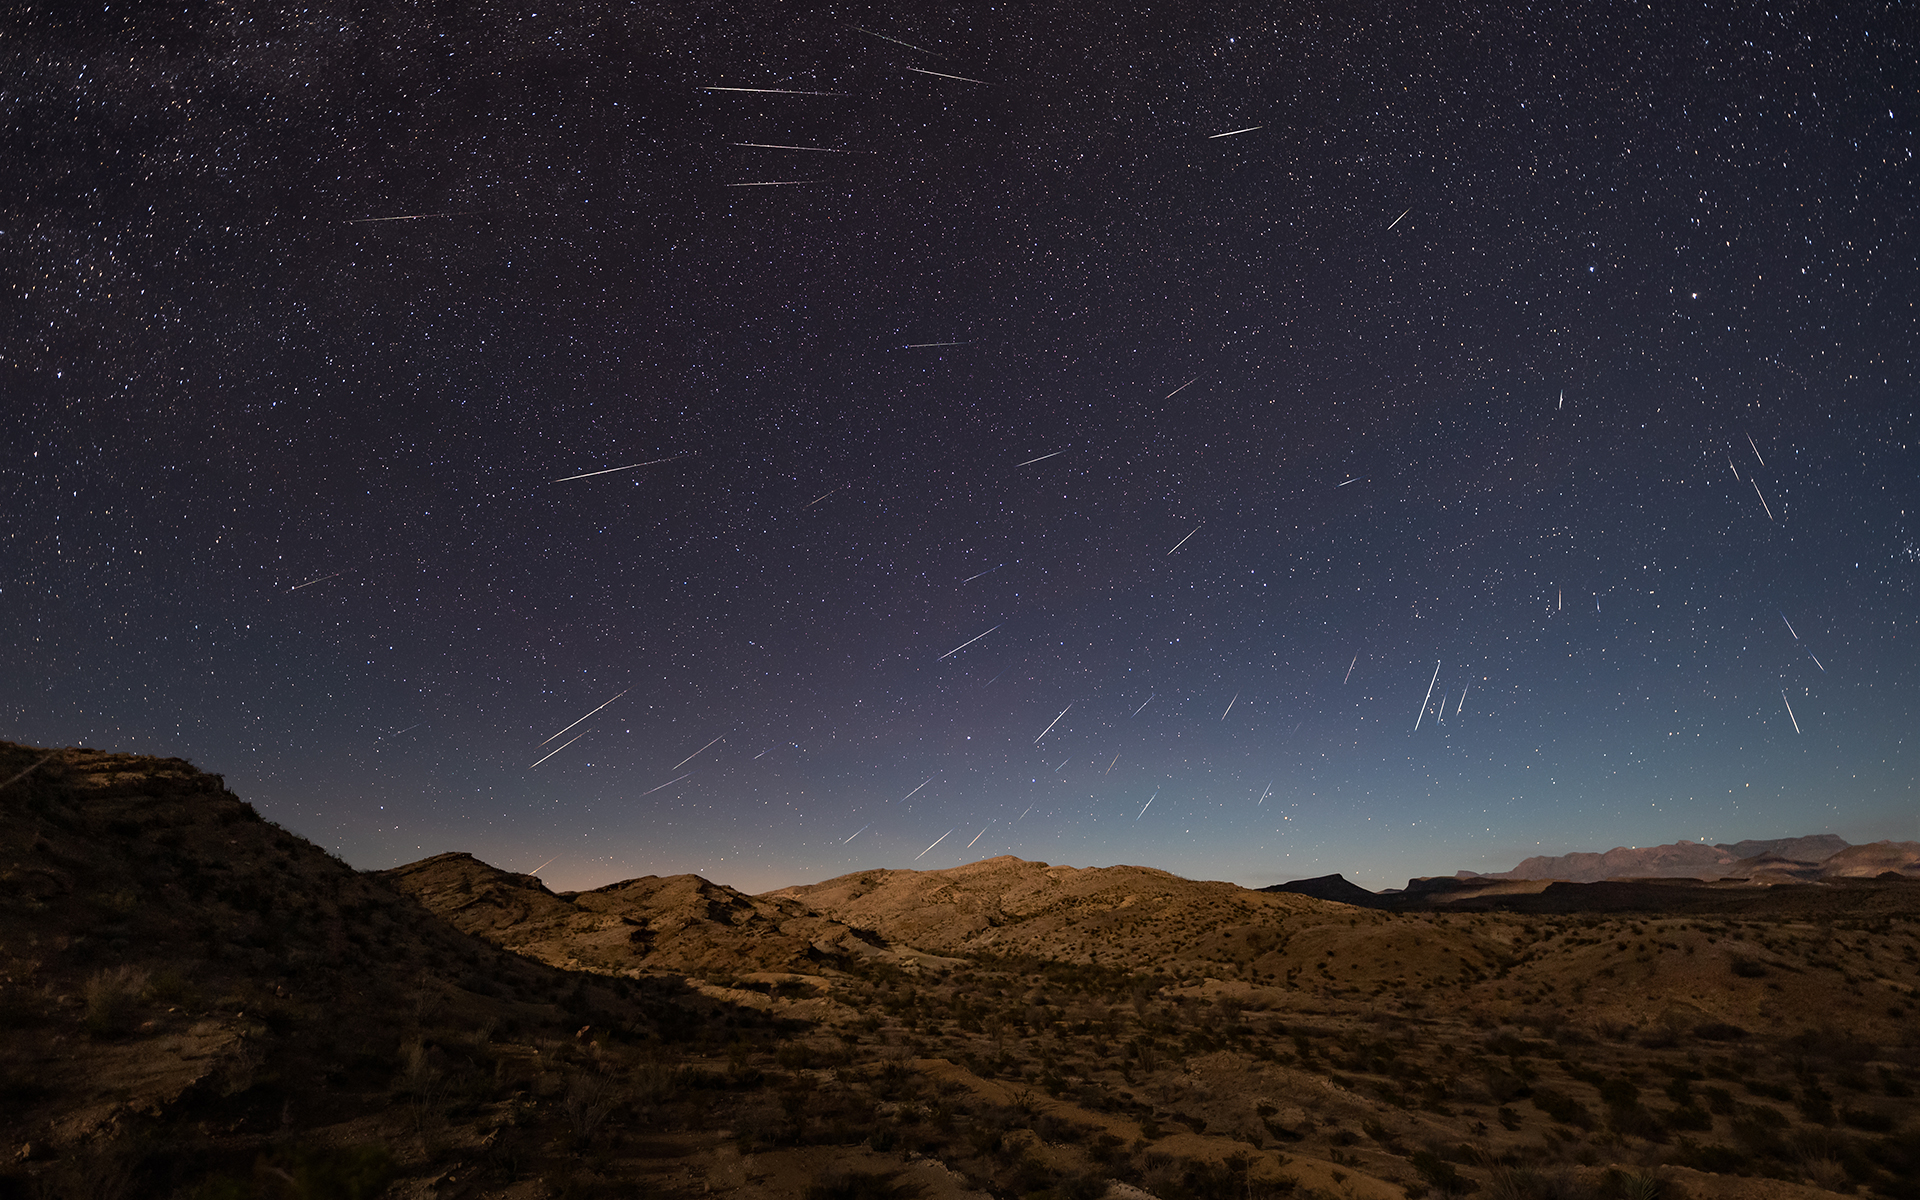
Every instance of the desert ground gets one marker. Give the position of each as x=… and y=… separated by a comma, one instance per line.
x=197, y=1003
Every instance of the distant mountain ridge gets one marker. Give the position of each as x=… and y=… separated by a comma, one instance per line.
x=1682, y=860
x=1746, y=866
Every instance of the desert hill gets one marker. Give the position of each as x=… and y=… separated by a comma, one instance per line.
x=680, y=923
x=199, y=1004
x=1126, y=916
x=196, y=1002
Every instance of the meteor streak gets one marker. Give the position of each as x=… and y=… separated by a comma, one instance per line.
x=970, y=641
x=576, y=722
x=1355, y=479
x=407, y=217
x=1183, y=387
x=611, y=470
x=774, y=91
x=1109, y=770
x=543, y=866
x=1763, y=500
x=696, y=754
x=1263, y=796
x=1183, y=541
x=988, y=571
x=925, y=345
x=1250, y=129
x=896, y=41
x=1350, y=667
x=1398, y=219
x=1756, y=450
x=981, y=834
x=856, y=833
x=1789, y=625
x=943, y=837
x=1230, y=704
x=1042, y=458
x=1463, y=698
x=774, y=183
x=563, y=745
x=1143, y=704
x=815, y=149
x=309, y=583
x=1427, y=697
x=944, y=75
x=820, y=497
x=910, y=795
x=669, y=783
x=1147, y=805
x=1051, y=724
x=1790, y=716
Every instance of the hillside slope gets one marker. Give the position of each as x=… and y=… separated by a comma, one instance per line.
x=679, y=923
x=1125, y=916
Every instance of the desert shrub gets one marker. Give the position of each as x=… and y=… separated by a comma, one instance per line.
x=1233, y=1179
x=340, y=1173
x=1504, y=1087
x=1687, y=1117
x=1637, y=1122
x=1867, y=1120
x=1832, y=1044
x=1562, y=1108
x=1758, y=1135
x=1719, y=1031
x=1746, y=968
x=1441, y=1175
x=795, y=1056
x=172, y=986
x=1816, y=1105
x=1525, y=1183
x=111, y=995
x=1638, y=1185
x=1720, y=1160
x=862, y=1185
x=334, y=1172
x=590, y=1098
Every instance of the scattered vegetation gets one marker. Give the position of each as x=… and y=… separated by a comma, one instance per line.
x=227, y=1012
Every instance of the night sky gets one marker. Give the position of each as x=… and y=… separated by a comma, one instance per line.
x=1087, y=449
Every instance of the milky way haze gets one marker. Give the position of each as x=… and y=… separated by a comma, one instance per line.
x=962, y=442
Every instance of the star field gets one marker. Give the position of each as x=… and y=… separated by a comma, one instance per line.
x=1554, y=362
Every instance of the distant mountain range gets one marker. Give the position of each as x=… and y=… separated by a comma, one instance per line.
x=1817, y=856
x=1741, y=866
